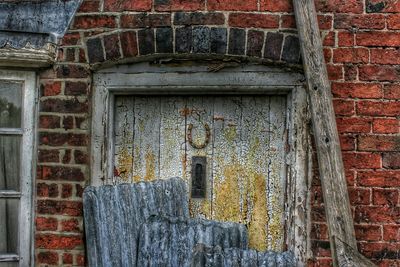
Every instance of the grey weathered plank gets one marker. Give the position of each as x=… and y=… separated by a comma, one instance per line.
x=204, y=255
x=52, y=17
x=254, y=149
x=299, y=177
x=221, y=81
x=123, y=138
x=227, y=174
x=170, y=241
x=114, y=215
x=350, y=256
x=336, y=199
x=276, y=172
x=172, y=137
x=249, y=164
x=147, y=139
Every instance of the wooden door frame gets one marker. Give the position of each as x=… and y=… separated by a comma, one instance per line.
x=334, y=187
x=254, y=79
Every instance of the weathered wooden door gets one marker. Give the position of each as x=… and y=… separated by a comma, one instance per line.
x=241, y=138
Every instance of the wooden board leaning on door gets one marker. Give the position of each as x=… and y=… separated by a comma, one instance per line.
x=158, y=136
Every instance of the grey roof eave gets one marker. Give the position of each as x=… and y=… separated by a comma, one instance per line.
x=35, y=23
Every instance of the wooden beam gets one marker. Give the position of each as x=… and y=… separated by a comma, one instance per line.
x=333, y=180
x=348, y=256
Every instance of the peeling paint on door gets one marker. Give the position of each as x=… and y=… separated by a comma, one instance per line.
x=245, y=154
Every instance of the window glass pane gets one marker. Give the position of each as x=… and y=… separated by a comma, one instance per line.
x=10, y=162
x=10, y=104
x=9, y=209
x=8, y=264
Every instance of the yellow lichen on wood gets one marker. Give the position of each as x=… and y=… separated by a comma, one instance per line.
x=150, y=166
x=137, y=165
x=184, y=167
x=226, y=206
x=275, y=227
x=241, y=196
x=200, y=208
x=255, y=187
x=259, y=217
x=125, y=162
x=230, y=134
x=246, y=203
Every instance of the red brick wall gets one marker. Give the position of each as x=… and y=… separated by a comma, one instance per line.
x=362, y=41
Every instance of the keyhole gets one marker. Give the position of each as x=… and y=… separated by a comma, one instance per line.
x=199, y=179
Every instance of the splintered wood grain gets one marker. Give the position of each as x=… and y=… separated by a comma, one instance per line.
x=114, y=216
x=276, y=172
x=228, y=193
x=199, y=112
x=123, y=138
x=254, y=146
x=146, y=144
x=179, y=239
x=172, y=138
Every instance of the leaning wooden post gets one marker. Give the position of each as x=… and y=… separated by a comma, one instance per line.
x=333, y=180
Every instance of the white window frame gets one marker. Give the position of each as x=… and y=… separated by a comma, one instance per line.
x=27, y=130
x=145, y=79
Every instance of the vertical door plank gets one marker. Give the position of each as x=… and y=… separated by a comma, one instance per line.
x=254, y=148
x=172, y=137
x=228, y=202
x=123, y=138
x=147, y=138
x=199, y=113
x=276, y=172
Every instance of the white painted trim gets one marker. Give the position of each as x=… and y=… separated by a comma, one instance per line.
x=27, y=160
x=9, y=194
x=11, y=131
x=28, y=57
x=161, y=80
x=9, y=258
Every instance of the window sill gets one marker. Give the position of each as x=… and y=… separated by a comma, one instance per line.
x=28, y=57
x=9, y=257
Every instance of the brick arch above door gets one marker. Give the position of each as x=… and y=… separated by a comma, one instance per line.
x=183, y=41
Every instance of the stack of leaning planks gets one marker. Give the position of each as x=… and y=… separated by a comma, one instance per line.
x=148, y=224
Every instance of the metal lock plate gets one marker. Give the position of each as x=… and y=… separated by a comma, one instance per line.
x=199, y=179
